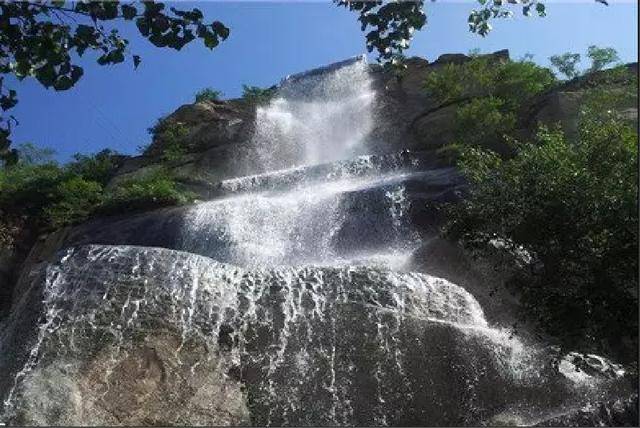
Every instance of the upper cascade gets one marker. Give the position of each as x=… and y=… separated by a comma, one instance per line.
x=316, y=117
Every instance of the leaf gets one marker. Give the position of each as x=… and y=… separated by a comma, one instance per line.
x=76, y=73
x=143, y=26
x=63, y=83
x=128, y=12
x=210, y=40
x=220, y=29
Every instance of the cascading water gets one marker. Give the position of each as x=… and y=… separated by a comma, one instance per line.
x=315, y=119
x=283, y=304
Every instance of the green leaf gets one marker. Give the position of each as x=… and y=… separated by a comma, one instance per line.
x=210, y=40
x=129, y=12
x=220, y=29
x=76, y=73
x=63, y=83
x=143, y=26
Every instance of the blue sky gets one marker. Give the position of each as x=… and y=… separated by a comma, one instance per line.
x=113, y=106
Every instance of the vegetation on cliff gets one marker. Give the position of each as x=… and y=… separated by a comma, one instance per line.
x=570, y=205
x=40, y=193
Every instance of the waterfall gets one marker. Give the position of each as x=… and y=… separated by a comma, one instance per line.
x=285, y=302
x=284, y=326
x=319, y=118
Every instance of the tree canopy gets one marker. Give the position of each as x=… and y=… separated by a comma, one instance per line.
x=44, y=40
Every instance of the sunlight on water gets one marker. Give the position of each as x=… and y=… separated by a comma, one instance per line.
x=318, y=119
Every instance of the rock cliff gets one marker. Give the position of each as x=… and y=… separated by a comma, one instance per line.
x=315, y=293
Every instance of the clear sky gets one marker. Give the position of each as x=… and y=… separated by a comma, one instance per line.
x=112, y=106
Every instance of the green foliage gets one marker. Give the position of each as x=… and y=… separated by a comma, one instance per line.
x=494, y=92
x=484, y=122
x=452, y=82
x=99, y=167
x=77, y=200
x=391, y=24
x=158, y=127
x=26, y=188
x=601, y=57
x=153, y=189
x=566, y=64
x=572, y=206
x=257, y=95
x=616, y=92
x=43, y=39
x=517, y=81
x=32, y=155
x=172, y=138
x=474, y=53
x=46, y=195
x=512, y=81
x=208, y=94
x=479, y=19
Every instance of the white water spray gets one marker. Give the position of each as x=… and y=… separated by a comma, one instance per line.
x=316, y=119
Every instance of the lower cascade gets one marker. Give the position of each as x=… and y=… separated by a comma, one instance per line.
x=190, y=340
x=287, y=301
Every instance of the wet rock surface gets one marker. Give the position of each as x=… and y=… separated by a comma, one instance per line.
x=618, y=413
x=136, y=335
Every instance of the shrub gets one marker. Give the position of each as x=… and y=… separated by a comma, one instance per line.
x=99, y=167
x=566, y=64
x=257, y=95
x=33, y=155
x=208, y=94
x=26, y=188
x=513, y=81
x=174, y=139
x=48, y=196
x=451, y=82
x=484, y=122
x=43, y=196
x=78, y=198
x=158, y=127
x=573, y=207
x=601, y=57
x=518, y=81
x=616, y=89
x=153, y=189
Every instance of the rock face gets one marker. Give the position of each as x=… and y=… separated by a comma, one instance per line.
x=136, y=335
x=308, y=289
x=215, y=133
x=561, y=105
